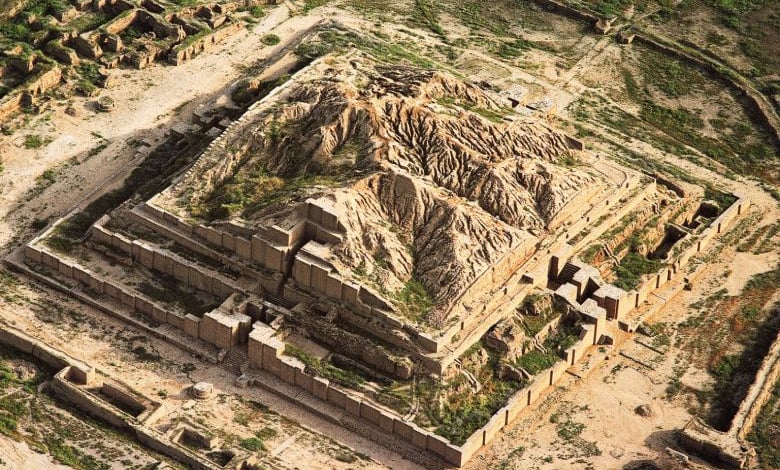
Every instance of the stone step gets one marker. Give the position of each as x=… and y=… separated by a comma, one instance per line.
x=233, y=360
x=567, y=273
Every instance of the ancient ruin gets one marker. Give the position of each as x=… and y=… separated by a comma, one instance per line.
x=358, y=231
x=91, y=39
x=417, y=254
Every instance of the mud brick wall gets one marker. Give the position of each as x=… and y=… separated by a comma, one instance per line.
x=667, y=273
x=168, y=263
x=267, y=353
x=36, y=85
x=574, y=210
x=759, y=393
x=715, y=446
x=618, y=307
x=217, y=333
x=122, y=21
x=86, y=45
x=52, y=357
x=182, y=53
x=117, y=418
x=87, y=403
x=495, y=275
x=310, y=273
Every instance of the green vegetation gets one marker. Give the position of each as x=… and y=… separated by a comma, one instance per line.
x=397, y=396
x=589, y=253
x=255, y=189
x=309, y=5
x=536, y=361
x=514, y=49
x=88, y=21
x=12, y=31
x=45, y=179
x=492, y=115
x=257, y=12
x=500, y=19
x=30, y=416
x=347, y=378
x=465, y=412
x=339, y=40
x=91, y=78
x=569, y=431
x=73, y=457
x=49, y=176
x=631, y=269
x=11, y=409
x=672, y=77
x=26, y=26
x=723, y=199
x=34, y=141
x=742, y=146
x=426, y=14
x=146, y=180
x=609, y=8
x=144, y=355
x=414, y=300
x=271, y=39
x=533, y=324
x=253, y=444
x=555, y=346
x=479, y=15
x=455, y=410
x=731, y=336
x=765, y=435
x=734, y=11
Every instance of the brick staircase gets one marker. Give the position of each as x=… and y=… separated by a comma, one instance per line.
x=234, y=360
x=275, y=299
x=567, y=273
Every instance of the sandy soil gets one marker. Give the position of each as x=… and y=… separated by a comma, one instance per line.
x=18, y=456
x=746, y=265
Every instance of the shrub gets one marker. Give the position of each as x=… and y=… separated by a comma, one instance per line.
x=252, y=443
x=34, y=141
x=631, y=269
x=271, y=39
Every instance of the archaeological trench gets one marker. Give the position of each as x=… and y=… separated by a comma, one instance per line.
x=424, y=255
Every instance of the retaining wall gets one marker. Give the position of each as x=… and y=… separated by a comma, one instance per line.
x=181, y=52
x=267, y=352
x=618, y=303
x=759, y=393
x=211, y=332
x=73, y=370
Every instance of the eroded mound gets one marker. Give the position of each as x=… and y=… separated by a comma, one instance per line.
x=433, y=179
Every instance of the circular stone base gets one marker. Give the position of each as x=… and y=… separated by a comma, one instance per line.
x=201, y=390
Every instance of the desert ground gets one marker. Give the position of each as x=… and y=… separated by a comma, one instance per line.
x=590, y=418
